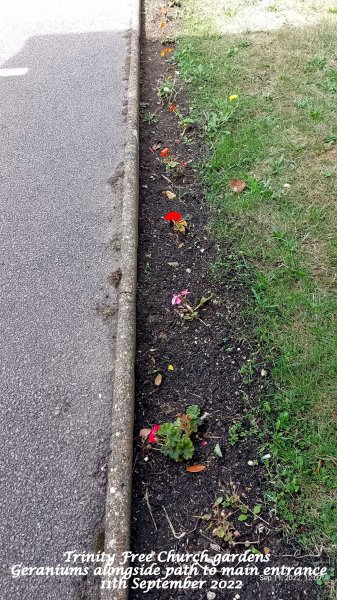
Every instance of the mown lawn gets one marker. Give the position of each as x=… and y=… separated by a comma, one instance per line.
x=280, y=137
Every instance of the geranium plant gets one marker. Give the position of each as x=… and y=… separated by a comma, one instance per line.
x=174, y=439
x=179, y=224
x=186, y=311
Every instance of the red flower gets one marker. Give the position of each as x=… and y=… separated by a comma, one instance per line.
x=152, y=435
x=165, y=152
x=172, y=107
x=172, y=216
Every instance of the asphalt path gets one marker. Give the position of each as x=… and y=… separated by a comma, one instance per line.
x=62, y=95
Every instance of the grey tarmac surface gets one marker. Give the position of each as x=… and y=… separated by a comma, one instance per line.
x=61, y=157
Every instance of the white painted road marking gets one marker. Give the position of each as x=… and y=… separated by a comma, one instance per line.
x=13, y=72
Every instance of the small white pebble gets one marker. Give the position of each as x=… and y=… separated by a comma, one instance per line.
x=263, y=372
x=266, y=456
x=286, y=185
x=112, y=490
x=146, y=458
x=203, y=250
x=188, y=270
x=250, y=463
x=211, y=595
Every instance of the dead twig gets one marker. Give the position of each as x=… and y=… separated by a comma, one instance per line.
x=177, y=536
x=147, y=500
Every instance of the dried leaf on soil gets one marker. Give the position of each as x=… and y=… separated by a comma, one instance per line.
x=170, y=195
x=217, y=451
x=144, y=432
x=180, y=226
x=237, y=185
x=155, y=147
x=195, y=468
x=158, y=379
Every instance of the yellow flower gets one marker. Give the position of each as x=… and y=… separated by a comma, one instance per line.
x=233, y=97
x=170, y=368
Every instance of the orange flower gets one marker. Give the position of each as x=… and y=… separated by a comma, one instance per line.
x=162, y=24
x=166, y=50
x=172, y=107
x=165, y=152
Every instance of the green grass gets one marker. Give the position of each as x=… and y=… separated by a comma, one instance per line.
x=280, y=137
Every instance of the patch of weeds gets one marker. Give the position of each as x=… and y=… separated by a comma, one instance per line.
x=216, y=119
x=149, y=117
x=316, y=63
x=330, y=82
x=247, y=371
x=226, y=509
x=316, y=114
x=186, y=122
x=219, y=523
x=326, y=578
x=236, y=433
x=272, y=8
x=333, y=10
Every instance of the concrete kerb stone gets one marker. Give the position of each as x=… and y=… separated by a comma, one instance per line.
x=119, y=487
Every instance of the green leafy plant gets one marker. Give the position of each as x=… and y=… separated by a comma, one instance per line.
x=174, y=439
x=219, y=515
x=165, y=89
x=324, y=579
x=149, y=117
x=235, y=433
x=219, y=522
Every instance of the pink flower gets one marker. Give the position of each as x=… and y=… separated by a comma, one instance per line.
x=184, y=293
x=176, y=299
x=152, y=435
x=203, y=443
